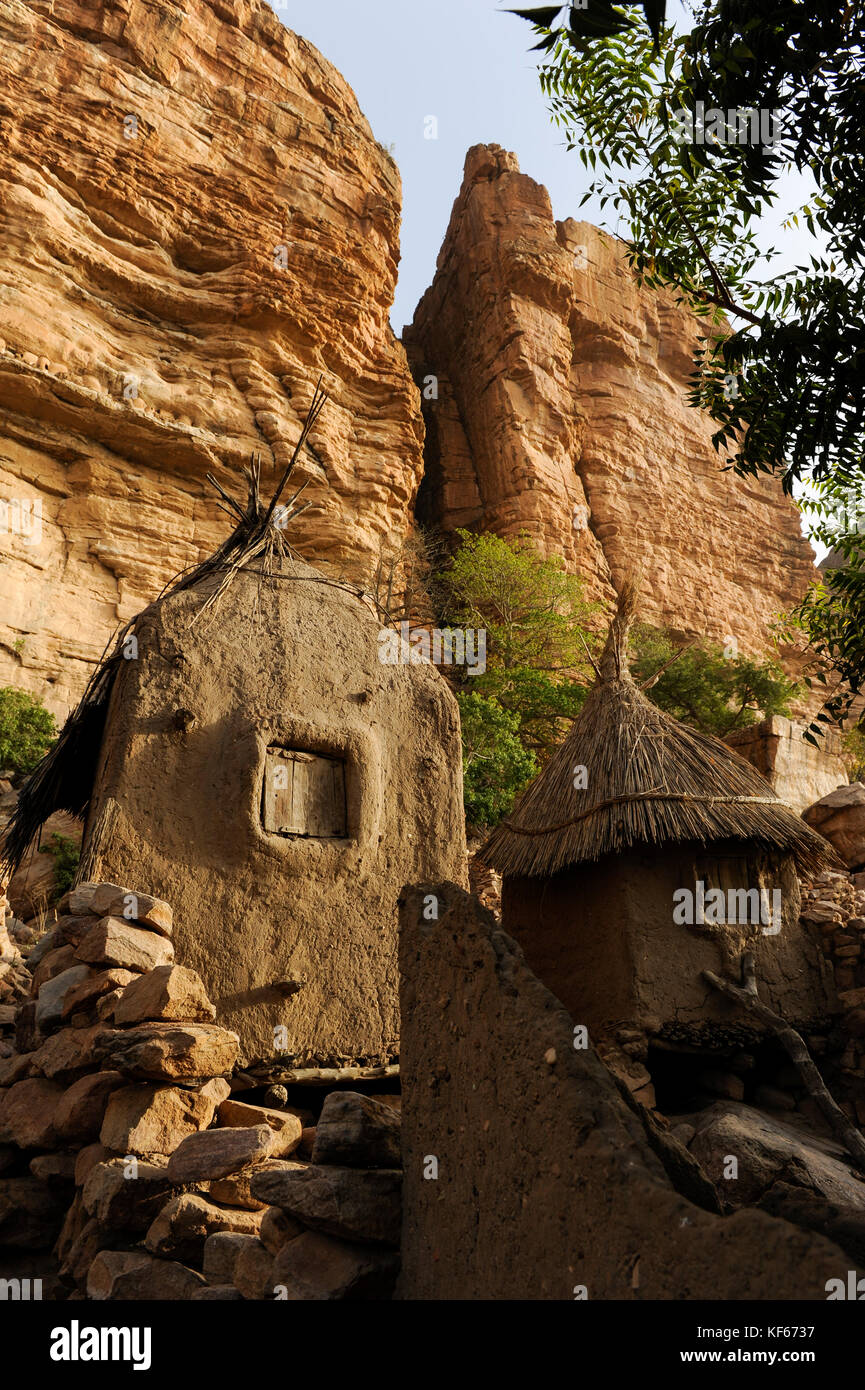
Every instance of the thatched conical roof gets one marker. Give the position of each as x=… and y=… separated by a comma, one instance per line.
x=650, y=781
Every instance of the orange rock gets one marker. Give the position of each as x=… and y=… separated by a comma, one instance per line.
x=231, y=227
x=562, y=411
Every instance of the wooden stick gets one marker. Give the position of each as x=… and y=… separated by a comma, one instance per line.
x=794, y=1045
x=326, y=1076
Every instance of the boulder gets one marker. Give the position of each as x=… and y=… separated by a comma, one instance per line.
x=840, y=818
x=314, y=1267
x=125, y=1194
x=221, y=1252
x=87, y=1160
x=84, y=996
x=277, y=1229
x=768, y=1150
x=354, y=1203
x=169, y=992
x=218, y=1152
x=120, y=1274
x=233, y=1191
x=286, y=1127
x=71, y=928
x=149, y=1119
x=27, y=1112
x=82, y=1248
x=77, y=901
x=57, y=1170
x=55, y=991
x=69, y=1052
x=49, y=942
x=253, y=1271
x=54, y=962
x=174, y=1051
x=185, y=1222
x=110, y=900
x=356, y=1131
x=81, y=1108
x=114, y=941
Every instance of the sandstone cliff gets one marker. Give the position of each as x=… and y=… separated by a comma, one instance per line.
x=196, y=222
x=562, y=411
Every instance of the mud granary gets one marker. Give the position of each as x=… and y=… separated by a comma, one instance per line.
x=646, y=853
x=245, y=754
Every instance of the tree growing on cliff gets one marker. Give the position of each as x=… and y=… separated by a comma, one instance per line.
x=540, y=636
x=707, y=687
x=689, y=137
x=538, y=633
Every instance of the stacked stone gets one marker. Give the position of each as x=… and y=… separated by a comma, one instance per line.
x=834, y=906
x=331, y=1228
x=14, y=975
x=122, y=1148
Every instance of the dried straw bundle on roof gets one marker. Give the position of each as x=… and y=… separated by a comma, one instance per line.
x=63, y=780
x=651, y=781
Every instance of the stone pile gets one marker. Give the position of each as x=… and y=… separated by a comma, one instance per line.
x=834, y=906
x=123, y=1148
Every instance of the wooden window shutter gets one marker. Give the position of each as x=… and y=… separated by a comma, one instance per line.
x=303, y=794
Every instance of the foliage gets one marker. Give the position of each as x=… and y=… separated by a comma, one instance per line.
x=27, y=730
x=784, y=383
x=537, y=633
x=707, y=689
x=853, y=753
x=496, y=764
x=536, y=623
x=66, y=854
x=533, y=611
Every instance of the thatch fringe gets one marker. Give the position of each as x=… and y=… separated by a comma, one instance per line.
x=650, y=781
x=63, y=780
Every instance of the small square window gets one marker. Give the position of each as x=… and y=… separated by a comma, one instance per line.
x=303, y=794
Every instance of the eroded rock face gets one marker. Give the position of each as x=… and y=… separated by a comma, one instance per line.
x=197, y=222
x=562, y=411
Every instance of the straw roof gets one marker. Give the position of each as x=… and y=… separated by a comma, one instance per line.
x=650, y=781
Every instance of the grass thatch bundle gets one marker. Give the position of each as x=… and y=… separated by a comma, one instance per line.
x=650, y=781
x=63, y=780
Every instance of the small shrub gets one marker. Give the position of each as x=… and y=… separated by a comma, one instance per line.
x=66, y=854
x=27, y=730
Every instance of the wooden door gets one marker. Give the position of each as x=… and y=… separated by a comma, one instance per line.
x=304, y=794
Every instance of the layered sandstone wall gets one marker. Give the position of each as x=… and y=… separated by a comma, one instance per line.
x=196, y=223
x=562, y=411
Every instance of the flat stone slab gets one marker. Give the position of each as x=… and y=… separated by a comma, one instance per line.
x=356, y=1204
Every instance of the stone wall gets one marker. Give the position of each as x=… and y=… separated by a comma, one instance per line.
x=138, y=1163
